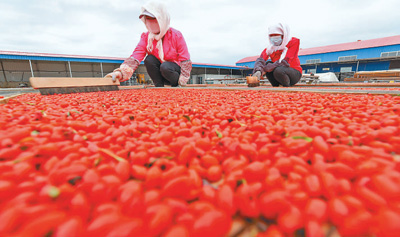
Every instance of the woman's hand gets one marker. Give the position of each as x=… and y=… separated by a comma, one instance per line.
x=115, y=75
x=285, y=63
x=186, y=68
x=269, y=67
x=259, y=65
x=182, y=81
x=125, y=71
x=257, y=74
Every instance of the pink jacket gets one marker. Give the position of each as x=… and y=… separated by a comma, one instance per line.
x=174, y=45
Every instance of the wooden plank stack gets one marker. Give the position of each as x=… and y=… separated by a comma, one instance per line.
x=385, y=76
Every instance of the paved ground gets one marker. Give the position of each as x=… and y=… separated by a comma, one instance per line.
x=313, y=89
x=6, y=92
x=338, y=88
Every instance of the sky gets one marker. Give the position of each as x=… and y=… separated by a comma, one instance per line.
x=216, y=31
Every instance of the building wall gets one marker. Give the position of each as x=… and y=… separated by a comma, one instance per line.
x=16, y=72
x=394, y=64
x=336, y=67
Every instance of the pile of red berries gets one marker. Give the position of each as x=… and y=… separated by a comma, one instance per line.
x=200, y=163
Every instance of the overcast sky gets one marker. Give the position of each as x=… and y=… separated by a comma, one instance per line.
x=216, y=31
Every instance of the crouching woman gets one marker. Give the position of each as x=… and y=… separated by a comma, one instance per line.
x=280, y=61
x=167, y=57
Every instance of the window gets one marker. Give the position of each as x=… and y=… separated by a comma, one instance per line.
x=346, y=69
x=390, y=54
x=348, y=58
x=313, y=61
x=312, y=70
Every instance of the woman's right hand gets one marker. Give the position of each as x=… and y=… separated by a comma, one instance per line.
x=257, y=74
x=115, y=75
x=125, y=71
x=259, y=65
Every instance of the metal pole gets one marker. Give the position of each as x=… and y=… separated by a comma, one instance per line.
x=205, y=74
x=101, y=68
x=358, y=63
x=4, y=72
x=69, y=66
x=30, y=64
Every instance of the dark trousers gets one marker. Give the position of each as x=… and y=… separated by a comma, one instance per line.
x=285, y=76
x=166, y=73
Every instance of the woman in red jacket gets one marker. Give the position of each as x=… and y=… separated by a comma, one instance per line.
x=284, y=65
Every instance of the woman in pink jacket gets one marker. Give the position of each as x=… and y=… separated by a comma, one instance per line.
x=168, y=60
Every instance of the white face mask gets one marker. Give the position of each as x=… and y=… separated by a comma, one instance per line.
x=276, y=40
x=152, y=26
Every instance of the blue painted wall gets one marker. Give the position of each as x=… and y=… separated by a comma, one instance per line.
x=335, y=67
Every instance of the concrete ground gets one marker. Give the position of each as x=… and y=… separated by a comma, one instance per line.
x=338, y=88
x=6, y=92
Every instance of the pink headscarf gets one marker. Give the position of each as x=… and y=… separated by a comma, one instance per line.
x=281, y=29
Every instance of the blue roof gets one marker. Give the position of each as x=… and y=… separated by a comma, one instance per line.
x=40, y=58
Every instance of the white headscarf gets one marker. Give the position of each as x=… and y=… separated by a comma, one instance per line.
x=160, y=12
x=284, y=30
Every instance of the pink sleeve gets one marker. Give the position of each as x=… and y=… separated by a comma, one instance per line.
x=140, y=51
x=183, y=52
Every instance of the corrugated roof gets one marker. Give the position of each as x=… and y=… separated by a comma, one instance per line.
x=248, y=59
x=360, y=44
x=218, y=66
x=69, y=56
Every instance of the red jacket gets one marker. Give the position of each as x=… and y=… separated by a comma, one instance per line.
x=291, y=56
